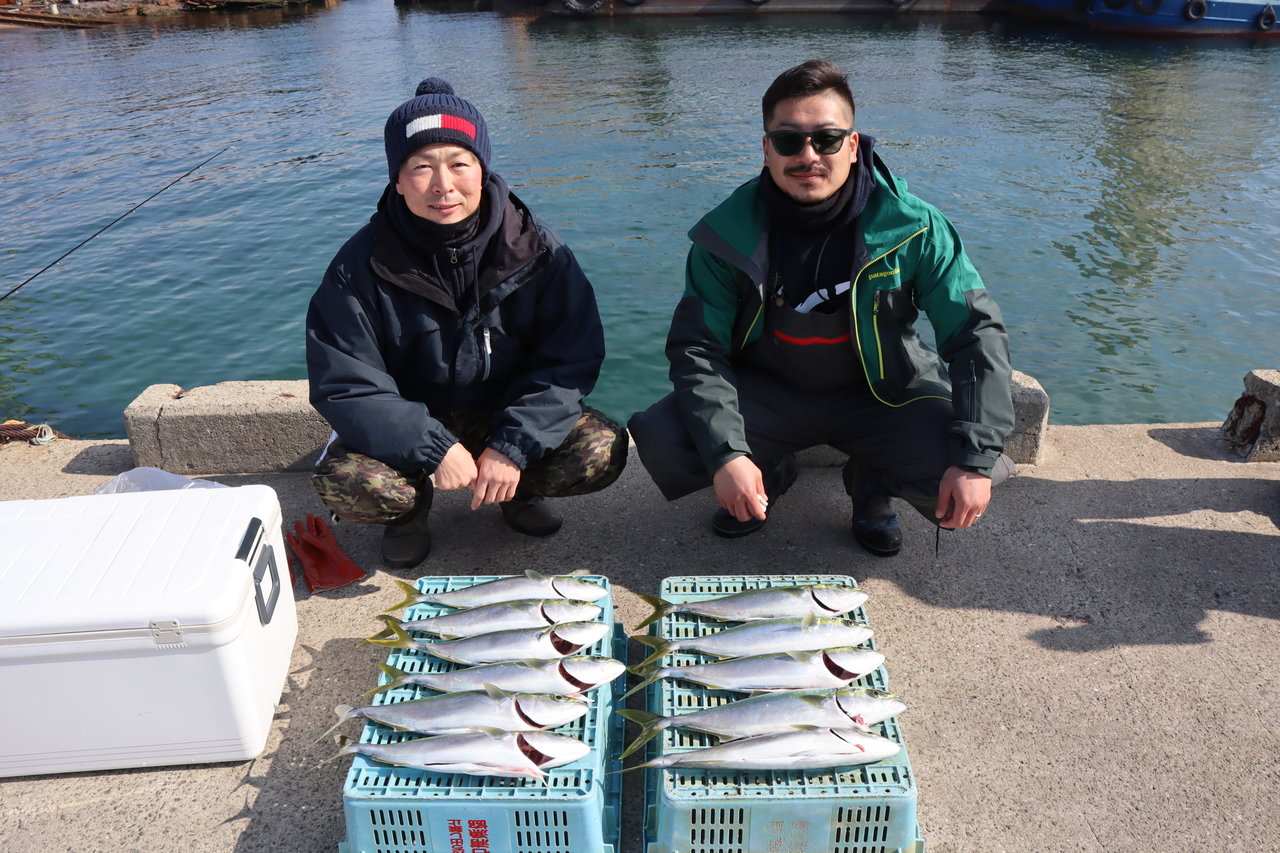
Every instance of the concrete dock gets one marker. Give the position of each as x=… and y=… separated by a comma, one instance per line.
x=1093, y=668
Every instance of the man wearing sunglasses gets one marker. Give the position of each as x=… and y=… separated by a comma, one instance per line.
x=797, y=328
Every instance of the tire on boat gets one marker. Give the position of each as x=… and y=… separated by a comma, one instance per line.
x=633, y=2
x=1266, y=18
x=1114, y=5
x=582, y=7
x=1195, y=10
x=1147, y=7
x=757, y=2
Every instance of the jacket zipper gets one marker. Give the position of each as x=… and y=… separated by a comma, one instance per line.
x=453, y=256
x=488, y=351
x=875, y=326
x=853, y=307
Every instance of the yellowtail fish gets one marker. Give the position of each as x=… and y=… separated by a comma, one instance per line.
x=805, y=748
x=516, y=588
x=571, y=676
x=774, y=602
x=503, y=616
x=841, y=707
x=490, y=753
x=791, y=634
x=778, y=671
x=471, y=711
x=558, y=641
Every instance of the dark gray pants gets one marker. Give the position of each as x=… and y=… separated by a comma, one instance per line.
x=901, y=451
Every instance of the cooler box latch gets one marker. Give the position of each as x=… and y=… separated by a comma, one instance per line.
x=167, y=632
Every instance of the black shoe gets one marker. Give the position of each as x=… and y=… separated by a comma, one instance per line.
x=776, y=483
x=882, y=538
x=875, y=526
x=530, y=516
x=406, y=542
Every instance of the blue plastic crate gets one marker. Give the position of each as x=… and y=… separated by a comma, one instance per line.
x=398, y=810
x=870, y=808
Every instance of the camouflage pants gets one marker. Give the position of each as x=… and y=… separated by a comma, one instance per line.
x=359, y=488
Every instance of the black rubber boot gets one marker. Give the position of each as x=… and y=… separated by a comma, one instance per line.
x=406, y=542
x=875, y=526
x=530, y=516
x=776, y=482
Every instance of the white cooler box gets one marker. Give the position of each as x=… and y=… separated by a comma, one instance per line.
x=141, y=629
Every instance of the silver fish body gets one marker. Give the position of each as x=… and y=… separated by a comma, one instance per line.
x=792, y=633
x=471, y=711
x=558, y=641
x=530, y=585
x=777, y=671
x=773, y=602
x=510, y=754
x=806, y=748
x=505, y=616
x=841, y=707
x=572, y=676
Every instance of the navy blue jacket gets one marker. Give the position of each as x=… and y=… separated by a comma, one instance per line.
x=388, y=350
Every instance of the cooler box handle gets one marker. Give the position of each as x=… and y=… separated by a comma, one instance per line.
x=262, y=557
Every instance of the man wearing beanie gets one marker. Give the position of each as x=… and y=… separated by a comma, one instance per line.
x=797, y=328
x=453, y=339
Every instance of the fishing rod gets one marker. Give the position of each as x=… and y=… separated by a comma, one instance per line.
x=113, y=222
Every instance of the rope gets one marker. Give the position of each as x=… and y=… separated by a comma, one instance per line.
x=36, y=434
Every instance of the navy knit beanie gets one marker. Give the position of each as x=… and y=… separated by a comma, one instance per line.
x=434, y=114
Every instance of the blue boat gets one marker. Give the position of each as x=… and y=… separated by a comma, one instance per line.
x=1183, y=17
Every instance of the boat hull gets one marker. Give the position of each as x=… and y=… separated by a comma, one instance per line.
x=1183, y=18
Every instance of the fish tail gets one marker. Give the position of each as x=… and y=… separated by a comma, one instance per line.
x=400, y=638
x=661, y=607
x=660, y=647
x=411, y=596
x=381, y=635
x=398, y=677
x=650, y=725
x=344, y=713
x=654, y=676
x=345, y=747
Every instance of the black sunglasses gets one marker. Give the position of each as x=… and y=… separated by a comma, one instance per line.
x=788, y=143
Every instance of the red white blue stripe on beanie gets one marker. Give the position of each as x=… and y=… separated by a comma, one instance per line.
x=439, y=121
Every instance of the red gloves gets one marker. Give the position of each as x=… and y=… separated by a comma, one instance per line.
x=316, y=550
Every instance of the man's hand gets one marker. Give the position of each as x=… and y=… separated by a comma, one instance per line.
x=496, y=479
x=962, y=497
x=740, y=489
x=457, y=470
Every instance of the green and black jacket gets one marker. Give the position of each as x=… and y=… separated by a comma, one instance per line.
x=914, y=262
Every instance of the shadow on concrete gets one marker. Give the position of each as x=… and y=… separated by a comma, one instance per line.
x=1197, y=443
x=109, y=459
x=298, y=805
x=1110, y=562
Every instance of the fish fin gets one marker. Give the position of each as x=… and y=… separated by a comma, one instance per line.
x=400, y=637
x=495, y=692
x=346, y=746
x=660, y=648
x=533, y=575
x=411, y=596
x=398, y=677
x=654, y=676
x=344, y=714
x=809, y=622
x=660, y=608
x=801, y=657
x=381, y=635
x=492, y=731
x=650, y=726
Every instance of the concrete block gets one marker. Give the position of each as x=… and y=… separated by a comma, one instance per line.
x=1030, y=420
x=1253, y=426
x=228, y=428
